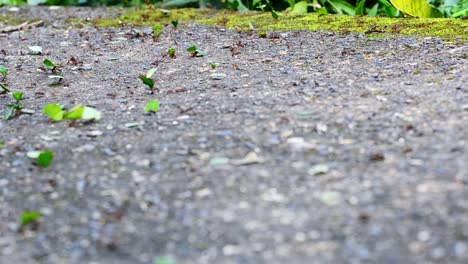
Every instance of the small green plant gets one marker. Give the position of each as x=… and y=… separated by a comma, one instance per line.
x=157, y=30
x=262, y=34
x=213, y=65
x=152, y=106
x=196, y=52
x=175, y=23
x=15, y=107
x=171, y=53
x=56, y=113
x=29, y=217
x=3, y=71
x=146, y=79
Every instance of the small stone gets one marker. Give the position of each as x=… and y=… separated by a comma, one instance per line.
x=299, y=144
x=424, y=236
x=84, y=148
x=230, y=250
x=183, y=117
x=318, y=169
x=438, y=253
x=218, y=76
x=203, y=192
x=250, y=158
x=217, y=161
x=94, y=133
x=272, y=195
x=460, y=249
x=27, y=111
x=330, y=198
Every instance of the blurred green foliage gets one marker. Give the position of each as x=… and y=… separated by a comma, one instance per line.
x=449, y=8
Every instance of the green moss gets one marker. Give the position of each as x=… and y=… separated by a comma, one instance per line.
x=149, y=16
x=375, y=27
x=11, y=20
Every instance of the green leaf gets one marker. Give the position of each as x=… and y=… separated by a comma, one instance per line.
x=200, y=53
x=213, y=65
x=360, y=8
x=9, y=112
x=171, y=52
x=29, y=217
x=148, y=81
x=49, y=64
x=4, y=88
x=45, y=159
x=416, y=8
x=3, y=71
x=196, y=52
x=175, y=23
x=53, y=111
x=373, y=11
x=192, y=49
x=152, y=106
x=274, y=14
x=75, y=113
x=35, y=50
x=91, y=113
x=18, y=96
x=300, y=8
x=178, y=3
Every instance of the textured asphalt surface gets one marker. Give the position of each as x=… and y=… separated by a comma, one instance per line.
x=301, y=147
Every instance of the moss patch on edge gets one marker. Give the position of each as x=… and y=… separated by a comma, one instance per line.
x=449, y=29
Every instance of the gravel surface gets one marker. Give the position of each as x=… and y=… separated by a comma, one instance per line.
x=301, y=147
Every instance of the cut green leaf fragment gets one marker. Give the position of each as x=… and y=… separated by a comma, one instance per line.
x=35, y=50
x=49, y=64
x=18, y=96
x=91, y=113
x=53, y=111
x=196, y=52
x=147, y=81
x=171, y=52
x=45, y=159
x=274, y=14
x=29, y=217
x=213, y=65
x=12, y=108
x=3, y=71
x=75, y=113
x=150, y=72
x=4, y=88
x=152, y=106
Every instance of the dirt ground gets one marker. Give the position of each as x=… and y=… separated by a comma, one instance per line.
x=301, y=147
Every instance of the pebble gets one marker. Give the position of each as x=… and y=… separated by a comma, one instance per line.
x=218, y=76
